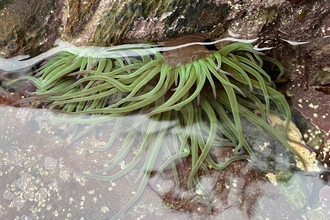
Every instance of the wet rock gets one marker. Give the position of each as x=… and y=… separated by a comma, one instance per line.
x=319, y=210
x=307, y=67
x=270, y=153
x=240, y=191
x=4, y=3
x=26, y=26
x=37, y=179
x=32, y=27
x=105, y=23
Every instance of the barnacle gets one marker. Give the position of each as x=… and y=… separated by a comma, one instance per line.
x=204, y=94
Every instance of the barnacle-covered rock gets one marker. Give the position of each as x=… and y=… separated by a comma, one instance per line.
x=308, y=90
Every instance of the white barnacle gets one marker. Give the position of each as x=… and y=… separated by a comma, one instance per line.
x=313, y=106
x=71, y=200
x=55, y=213
x=104, y=209
x=122, y=165
x=199, y=192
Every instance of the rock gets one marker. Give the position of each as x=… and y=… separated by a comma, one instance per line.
x=297, y=30
x=308, y=69
x=27, y=27
x=105, y=23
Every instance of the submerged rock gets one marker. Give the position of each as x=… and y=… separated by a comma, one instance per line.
x=270, y=152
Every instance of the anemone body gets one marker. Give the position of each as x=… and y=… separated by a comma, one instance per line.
x=204, y=93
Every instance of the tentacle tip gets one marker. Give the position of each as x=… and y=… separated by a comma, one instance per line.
x=229, y=74
x=276, y=171
x=310, y=150
x=68, y=145
x=97, y=172
x=152, y=184
x=269, y=120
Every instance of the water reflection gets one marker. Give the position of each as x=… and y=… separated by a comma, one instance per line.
x=37, y=157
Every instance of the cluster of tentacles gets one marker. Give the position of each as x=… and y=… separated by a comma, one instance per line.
x=198, y=100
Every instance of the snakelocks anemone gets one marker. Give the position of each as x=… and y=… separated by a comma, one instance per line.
x=205, y=93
